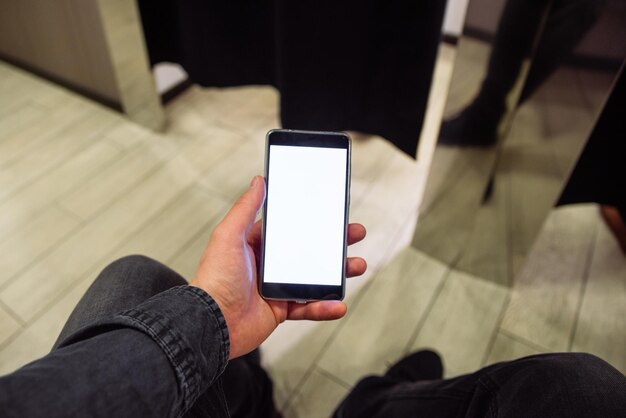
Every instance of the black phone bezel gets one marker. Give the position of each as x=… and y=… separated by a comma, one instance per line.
x=306, y=292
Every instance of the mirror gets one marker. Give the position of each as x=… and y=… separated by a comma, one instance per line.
x=529, y=82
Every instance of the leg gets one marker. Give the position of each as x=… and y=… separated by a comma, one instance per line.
x=518, y=28
x=477, y=124
x=567, y=23
x=247, y=388
x=127, y=282
x=554, y=385
x=122, y=285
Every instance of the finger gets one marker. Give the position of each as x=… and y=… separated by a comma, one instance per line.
x=356, y=232
x=355, y=266
x=255, y=240
x=241, y=216
x=254, y=237
x=317, y=311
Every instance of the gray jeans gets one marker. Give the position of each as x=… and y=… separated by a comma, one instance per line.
x=129, y=281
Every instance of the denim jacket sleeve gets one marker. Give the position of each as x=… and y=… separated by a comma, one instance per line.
x=153, y=360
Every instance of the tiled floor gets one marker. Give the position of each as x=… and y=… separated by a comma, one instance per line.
x=80, y=186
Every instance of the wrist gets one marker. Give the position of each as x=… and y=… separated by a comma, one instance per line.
x=222, y=311
x=217, y=311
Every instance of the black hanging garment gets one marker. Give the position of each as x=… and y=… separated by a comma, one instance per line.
x=600, y=173
x=363, y=65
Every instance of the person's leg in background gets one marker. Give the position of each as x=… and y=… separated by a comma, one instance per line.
x=522, y=21
x=129, y=281
x=477, y=124
x=566, y=25
x=547, y=385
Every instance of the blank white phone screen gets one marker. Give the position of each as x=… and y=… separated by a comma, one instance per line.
x=306, y=203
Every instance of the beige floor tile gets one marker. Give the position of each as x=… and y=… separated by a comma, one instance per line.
x=451, y=201
x=396, y=183
x=22, y=86
x=254, y=112
x=170, y=230
x=469, y=69
x=159, y=238
x=89, y=246
x=546, y=294
x=506, y=348
x=186, y=259
x=7, y=110
x=114, y=180
x=205, y=104
x=382, y=231
x=28, y=346
x=15, y=118
x=259, y=131
x=8, y=326
x=38, y=337
x=129, y=135
x=290, y=353
x=33, y=241
x=51, y=153
x=379, y=330
x=601, y=326
x=23, y=141
x=185, y=121
x=50, y=95
x=486, y=253
x=534, y=186
x=15, y=92
x=318, y=397
x=207, y=147
x=28, y=202
x=370, y=156
x=231, y=176
x=462, y=321
x=292, y=350
x=448, y=165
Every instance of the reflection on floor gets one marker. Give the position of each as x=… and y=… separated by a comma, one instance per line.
x=492, y=201
x=80, y=186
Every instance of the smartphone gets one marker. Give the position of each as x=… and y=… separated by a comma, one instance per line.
x=305, y=216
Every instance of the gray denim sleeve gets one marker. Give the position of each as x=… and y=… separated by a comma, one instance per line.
x=190, y=329
x=155, y=359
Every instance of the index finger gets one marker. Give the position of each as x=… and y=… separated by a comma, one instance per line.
x=317, y=311
x=356, y=233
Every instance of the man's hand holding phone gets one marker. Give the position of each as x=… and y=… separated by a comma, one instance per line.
x=228, y=272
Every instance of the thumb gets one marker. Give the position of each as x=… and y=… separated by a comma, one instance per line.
x=241, y=216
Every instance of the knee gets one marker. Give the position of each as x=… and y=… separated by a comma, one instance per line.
x=566, y=366
x=134, y=261
x=587, y=363
x=578, y=372
x=133, y=270
x=584, y=363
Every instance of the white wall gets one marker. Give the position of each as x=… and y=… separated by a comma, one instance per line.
x=454, y=17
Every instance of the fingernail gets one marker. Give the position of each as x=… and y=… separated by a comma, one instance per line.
x=254, y=182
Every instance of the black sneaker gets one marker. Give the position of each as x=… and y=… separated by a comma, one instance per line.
x=476, y=126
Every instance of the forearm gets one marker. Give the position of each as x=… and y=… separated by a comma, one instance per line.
x=154, y=360
x=91, y=378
